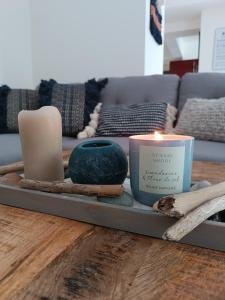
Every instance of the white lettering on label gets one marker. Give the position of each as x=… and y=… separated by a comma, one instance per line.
x=161, y=169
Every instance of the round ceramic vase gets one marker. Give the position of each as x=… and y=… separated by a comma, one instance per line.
x=160, y=167
x=98, y=162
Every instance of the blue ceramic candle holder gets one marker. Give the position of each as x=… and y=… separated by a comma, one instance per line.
x=98, y=162
x=160, y=166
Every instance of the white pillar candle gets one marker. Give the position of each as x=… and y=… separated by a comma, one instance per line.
x=41, y=139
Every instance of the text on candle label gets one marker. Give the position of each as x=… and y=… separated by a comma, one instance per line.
x=161, y=169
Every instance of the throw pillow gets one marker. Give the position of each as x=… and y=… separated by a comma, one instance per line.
x=74, y=101
x=12, y=101
x=136, y=119
x=90, y=129
x=203, y=118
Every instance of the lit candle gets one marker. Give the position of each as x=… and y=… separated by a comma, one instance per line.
x=41, y=139
x=160, y=165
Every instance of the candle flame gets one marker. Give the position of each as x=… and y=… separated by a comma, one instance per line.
x=158, y=136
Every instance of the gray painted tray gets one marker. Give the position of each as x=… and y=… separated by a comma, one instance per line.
x=135, y=219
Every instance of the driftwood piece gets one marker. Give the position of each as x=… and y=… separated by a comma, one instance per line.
x=10, y=179
x=71, y=188
x=67, y=153
x=190, y=221
x=14, y=167
x=19, y=166
x=180, y=204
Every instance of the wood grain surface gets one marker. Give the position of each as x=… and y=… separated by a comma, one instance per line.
x=108, y=264
x=211, y=171
x=28, y=243
x=45, y=257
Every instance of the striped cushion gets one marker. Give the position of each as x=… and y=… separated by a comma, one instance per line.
x=135, y=119
x=74, y=101
x=11, y=103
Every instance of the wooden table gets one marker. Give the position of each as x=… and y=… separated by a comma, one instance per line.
x=45, y=257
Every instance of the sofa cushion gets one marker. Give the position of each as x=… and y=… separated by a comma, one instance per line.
x=12, y=101
x=203, y=119
x=69, y=143
x=75, y=102
x=142, y=89
x=141, y=118
x=210, y=151
x=201, y=85
x=203, y=150
x=10, y=150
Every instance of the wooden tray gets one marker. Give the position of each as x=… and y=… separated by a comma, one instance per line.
x=137, y=219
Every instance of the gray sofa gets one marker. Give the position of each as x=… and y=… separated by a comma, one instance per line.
x=155, y=88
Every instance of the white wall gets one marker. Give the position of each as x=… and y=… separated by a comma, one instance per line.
x=189, y=46
x=192, y=24
x=74, y=40
x=154, y=53
x=16, y=63
x=212, y=18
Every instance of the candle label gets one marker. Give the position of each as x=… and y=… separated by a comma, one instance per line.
x=161, y=169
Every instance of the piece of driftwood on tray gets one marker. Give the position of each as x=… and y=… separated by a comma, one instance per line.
x=194, y=218
x=180, y=204
x=63, y=187
x=192, y=208
x=72, y=188
x=10, y=179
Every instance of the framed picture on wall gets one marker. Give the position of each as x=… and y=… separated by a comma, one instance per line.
x=219, y=50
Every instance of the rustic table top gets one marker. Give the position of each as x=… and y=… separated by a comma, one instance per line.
x=46, y=257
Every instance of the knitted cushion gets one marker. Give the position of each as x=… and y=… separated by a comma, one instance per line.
x=11, y=103
x=135, y=119
x=74, y=101
x=203, y=118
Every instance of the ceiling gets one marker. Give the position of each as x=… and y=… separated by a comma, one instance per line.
x=181, y=10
